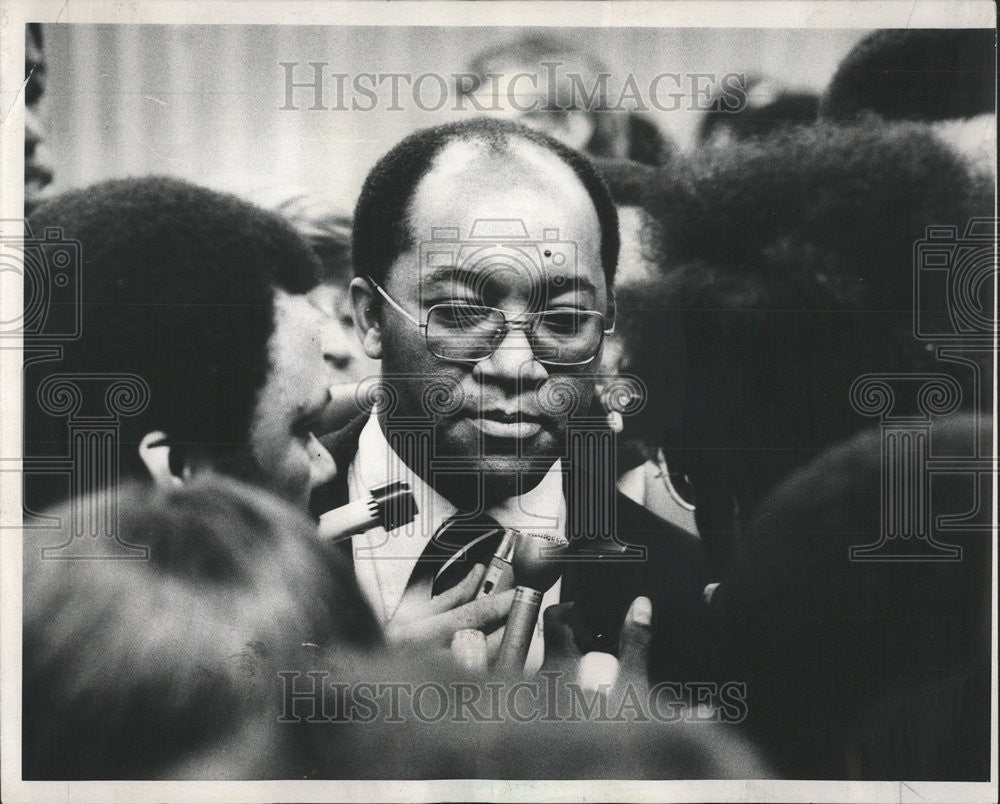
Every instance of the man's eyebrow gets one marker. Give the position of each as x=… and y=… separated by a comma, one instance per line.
x=557, y=284
x=453, y=273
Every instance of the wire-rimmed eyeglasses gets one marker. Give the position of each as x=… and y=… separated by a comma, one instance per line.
x=467, y=333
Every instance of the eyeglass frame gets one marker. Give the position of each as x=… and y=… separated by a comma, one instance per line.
x=506, y=324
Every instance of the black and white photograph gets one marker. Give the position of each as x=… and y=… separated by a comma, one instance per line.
x=498, y=401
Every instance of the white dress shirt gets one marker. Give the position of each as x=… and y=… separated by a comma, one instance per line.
x=383, y=562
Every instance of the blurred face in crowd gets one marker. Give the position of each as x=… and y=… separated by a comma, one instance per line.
x=973, y=137
x=507, y=411
x=347, y=357
x=37, y=167
x=522, y=93
x=303, y=352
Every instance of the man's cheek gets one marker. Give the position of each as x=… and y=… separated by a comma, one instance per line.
x=564, y=397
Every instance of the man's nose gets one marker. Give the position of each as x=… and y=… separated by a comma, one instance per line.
x=34, y=131
x=336, y=345
x=513, y=359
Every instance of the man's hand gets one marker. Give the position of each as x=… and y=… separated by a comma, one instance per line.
x=601, y=670
x=633, y=644
x=561, y=652
x=434, y=624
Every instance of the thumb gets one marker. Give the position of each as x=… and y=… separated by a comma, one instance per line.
x=468, y=649
x=633, y=646
x=561, y=651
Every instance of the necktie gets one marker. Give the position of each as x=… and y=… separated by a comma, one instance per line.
x=461, y=542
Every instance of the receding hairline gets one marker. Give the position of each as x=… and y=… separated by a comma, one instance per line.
x=508, y=145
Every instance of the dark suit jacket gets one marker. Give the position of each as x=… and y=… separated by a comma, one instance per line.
x=647, y=556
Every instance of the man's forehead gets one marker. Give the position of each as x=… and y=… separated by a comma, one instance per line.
x=473, y=180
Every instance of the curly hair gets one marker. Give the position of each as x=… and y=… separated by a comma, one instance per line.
x=790, y=263
x=177, y=286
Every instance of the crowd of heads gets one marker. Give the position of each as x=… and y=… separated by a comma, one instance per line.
x=755, y=279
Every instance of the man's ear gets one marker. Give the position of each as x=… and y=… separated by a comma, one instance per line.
x=367, y=320
x=154, y=450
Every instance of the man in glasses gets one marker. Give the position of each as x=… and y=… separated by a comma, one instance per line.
x=485, y=254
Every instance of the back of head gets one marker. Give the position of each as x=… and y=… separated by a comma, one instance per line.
x=149, y=668
x=840, y=652
x=177, y=285
x=790, y=263
x=915, y=74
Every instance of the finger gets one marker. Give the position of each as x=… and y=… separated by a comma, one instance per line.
x=493, y=642
x=469, y=650
x=561, y=650
x=459, y=594
x=479, y=614
x=633, y=646
x=486, y=612
x=597, y=672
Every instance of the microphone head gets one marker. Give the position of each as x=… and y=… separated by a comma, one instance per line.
x=537, y=559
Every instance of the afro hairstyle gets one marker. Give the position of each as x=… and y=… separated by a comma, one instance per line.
x=176, y=284
x=790, y=261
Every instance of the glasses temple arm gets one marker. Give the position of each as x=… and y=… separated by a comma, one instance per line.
x=613, y=312
x=393, y=302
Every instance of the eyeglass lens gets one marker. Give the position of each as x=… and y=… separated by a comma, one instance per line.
x=472, y=332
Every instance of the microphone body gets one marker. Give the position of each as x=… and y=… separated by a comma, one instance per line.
x=536, y=567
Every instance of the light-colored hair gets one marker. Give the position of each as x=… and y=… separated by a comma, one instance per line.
x=134, y=666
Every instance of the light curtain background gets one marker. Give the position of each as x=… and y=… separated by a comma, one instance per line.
x=203, y=102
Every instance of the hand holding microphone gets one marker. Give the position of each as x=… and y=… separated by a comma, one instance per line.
x=535, y=564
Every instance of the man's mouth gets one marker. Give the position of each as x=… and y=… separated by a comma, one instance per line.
x=507, y=424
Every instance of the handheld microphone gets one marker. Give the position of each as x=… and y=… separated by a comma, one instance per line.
x=390, y=506
x=536, y=567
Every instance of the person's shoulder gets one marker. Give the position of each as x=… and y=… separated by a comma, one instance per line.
x=639, y=525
